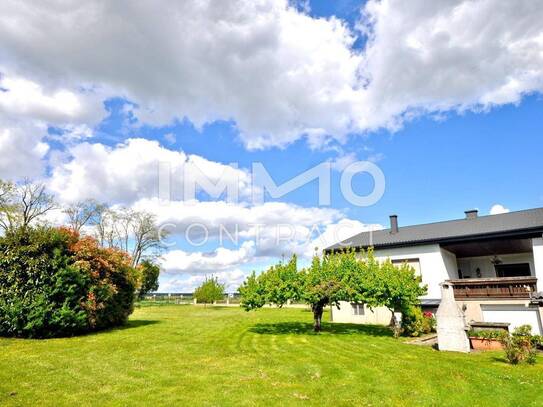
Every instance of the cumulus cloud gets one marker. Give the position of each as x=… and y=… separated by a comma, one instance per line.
x=26, y=111
x=133, y=169
x=21, y=150
x=498, y=209
x=272, y=69
x=176, y=261
x=450, y=55
x=275, y=71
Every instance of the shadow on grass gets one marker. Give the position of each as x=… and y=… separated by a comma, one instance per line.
x=137, y=323
x=500, y=359
x=303, y=328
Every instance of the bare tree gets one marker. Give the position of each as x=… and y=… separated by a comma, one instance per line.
x=105, y=227
x=23, y=204
x=135, y=232
x=146, y=235
x=82, y=213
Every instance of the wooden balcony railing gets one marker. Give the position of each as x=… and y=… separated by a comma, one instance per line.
x=506, y=287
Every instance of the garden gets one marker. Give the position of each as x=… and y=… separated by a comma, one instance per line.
x=209, y=356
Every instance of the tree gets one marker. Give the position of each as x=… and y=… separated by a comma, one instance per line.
x=23, y=204
x=146, y=235
x=82, y=213
x=325, y=282
x=149, y=273
x=210, y=291
x=396, y=288
x=135, y=232
x=331, y=279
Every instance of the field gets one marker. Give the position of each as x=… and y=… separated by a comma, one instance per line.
x=185, y=355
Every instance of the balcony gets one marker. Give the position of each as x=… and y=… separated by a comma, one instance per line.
x=506, y=287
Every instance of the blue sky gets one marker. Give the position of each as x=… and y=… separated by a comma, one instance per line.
x=451, y=114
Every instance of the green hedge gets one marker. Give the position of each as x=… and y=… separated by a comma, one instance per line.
x=54, y=284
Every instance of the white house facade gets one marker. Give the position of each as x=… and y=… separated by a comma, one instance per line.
x=492, y=262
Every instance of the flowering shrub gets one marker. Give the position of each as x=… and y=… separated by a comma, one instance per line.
x=110, y=298
x=417, y=323
x=52, y=283
x=520, y=346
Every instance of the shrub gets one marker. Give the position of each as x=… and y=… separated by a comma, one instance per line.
x=148, y=275
x=210, y=291
x=110, y=298
x=415, y=323
x=54, y=284
x=489, y=334
x=520, y=346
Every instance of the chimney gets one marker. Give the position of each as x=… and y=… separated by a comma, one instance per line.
x=472, y=214
x=393, y=224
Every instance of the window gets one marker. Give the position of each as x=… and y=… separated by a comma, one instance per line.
x=358, y=309
x=513, y=270
x=415, y=263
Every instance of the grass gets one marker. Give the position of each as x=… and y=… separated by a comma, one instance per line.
x=186, y=355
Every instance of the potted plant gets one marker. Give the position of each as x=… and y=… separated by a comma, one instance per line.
x=490, y=339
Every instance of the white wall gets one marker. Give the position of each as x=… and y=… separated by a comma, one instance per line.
x=345, y=315
x=469, y=265
x=436, y=264
x=538, y=261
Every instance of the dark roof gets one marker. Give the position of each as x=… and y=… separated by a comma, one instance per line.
x=527, y=222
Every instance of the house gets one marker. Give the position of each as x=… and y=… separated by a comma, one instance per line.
x=492, y=262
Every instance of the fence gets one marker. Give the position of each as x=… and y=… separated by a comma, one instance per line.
x=188, y=298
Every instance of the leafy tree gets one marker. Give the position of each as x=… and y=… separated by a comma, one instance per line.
x=149, y=273
x=210, y=291
x=396, y=288
x=334, y=278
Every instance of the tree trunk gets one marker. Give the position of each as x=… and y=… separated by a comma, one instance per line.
x=395, y=325
x=318, y=309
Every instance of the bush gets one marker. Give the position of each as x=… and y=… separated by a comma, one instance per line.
x=488, y=334
x=520, y=346
x=54, y=284
x=415, y=323
x=210, y=291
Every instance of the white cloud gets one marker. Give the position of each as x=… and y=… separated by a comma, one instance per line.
x=278, y=73
x=21, y=97
x=21, y=150
x=130, y=171
x=26, y=110
x=176, y=261
x=450, y=55
x=498, y=209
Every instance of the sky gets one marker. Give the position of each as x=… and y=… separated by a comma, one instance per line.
x=443, y=98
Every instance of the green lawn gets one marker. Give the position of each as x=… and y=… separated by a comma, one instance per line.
x=185, y=355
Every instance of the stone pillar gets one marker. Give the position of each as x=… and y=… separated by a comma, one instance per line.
x=451, y=324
